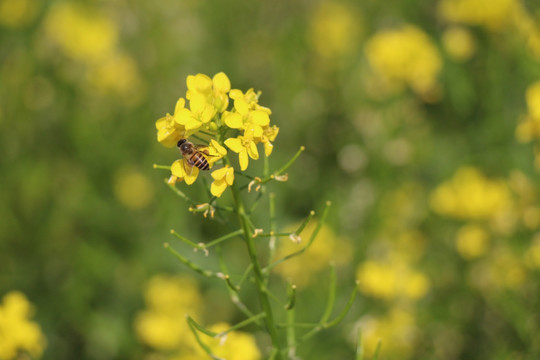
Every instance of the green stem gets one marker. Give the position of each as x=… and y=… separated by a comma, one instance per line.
x=260, y=279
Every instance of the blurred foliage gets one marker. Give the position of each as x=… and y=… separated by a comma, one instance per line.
x=421, y=124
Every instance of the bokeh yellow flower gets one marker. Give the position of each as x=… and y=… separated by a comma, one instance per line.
x=500, y=271
x=459, y=43
x=17, y=13
x=472, y=241
x=80, y=32
x=163, y=325
x=133, y=189
x=327, y=247
x=532, y=254
x=236, y=345
x=397, y=330
x=470, y=195
x=405, y=56
x=391, y=279
x=334, y=29
x=17, y=332
x=493, y=14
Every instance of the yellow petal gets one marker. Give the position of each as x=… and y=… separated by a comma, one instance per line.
x=191, y=174
x=219, y=173
x=197, y=103
x=162, y=122
x=219, y=149
x=233, y=120
x=236, y=94
x=243, y=158
x=199, y=83
x=260, y=117
x=268, y=147
x=168, y=137
x=208, y=114
x=235, y=144
x=252, y=151
x=229, y=177
x=221, y=82
x=218, y=187
x=179, y=105
x=241, y=106
x=177, y=169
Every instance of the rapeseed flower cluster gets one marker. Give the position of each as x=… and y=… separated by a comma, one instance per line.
x=470, y=195
x=405, y=56
x=493, y=14
x=88, y=37
x=163, y=325
x=210, y=119
x=17, y=333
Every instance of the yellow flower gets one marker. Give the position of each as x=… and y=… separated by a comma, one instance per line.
x=334, y=29
x=459, y=43
x=470, y=195
x=472, y=241
x=405, y=56
x=162, y=325
x=80, y=33
x=243, y=146
x=397, y=330
x=169, y=128
x=222, y=178
x=493, y=14
x=133, y=189
x=533, y=100
x=391, y=279
x=215, y=152
x=269, y=134
x=17, y=332
x=184, y=171
x=236, y=345
x=16, y=13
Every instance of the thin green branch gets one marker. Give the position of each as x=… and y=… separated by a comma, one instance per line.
x=189, y=263
x=223, y=238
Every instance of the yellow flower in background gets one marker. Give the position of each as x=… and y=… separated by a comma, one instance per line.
x=17, y=332
x=327, y=247
x=391, y=279
x=502, y=270
x=405, y=56
x=17, y=13
x=532, y=254
x=397, y=330
x=470, y=195
x=532, y=97
x=472, y=241
x=80, y=32
x=117, y=74
x=222, y=178
x=236, y=345
x=162, y=325
x=334, y=29
x=493, y=14
x=133, y=189
x=459, y=43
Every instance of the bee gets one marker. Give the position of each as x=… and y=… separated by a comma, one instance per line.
x=192, y=155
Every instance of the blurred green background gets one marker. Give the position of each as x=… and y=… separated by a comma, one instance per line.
x=419, y=119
